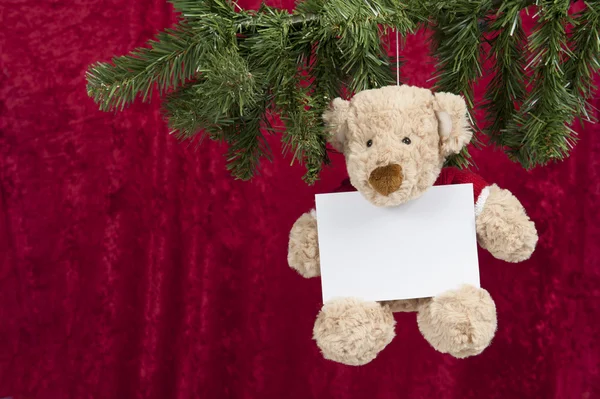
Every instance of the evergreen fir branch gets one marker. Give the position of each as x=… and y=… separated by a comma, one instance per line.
x=325, y=64
x=456, y=42
x=365, y=59
x=540, y=132
x=270, y=48
x=457, y=38
x=246, y=144
x=222, y=95
x=188, y=116
x=168, y=62
x=341, y=49
x=229, y=86
x=585, y=62
x=199, y=10
x=507, y=86
x=354, y=26
x=226, y=71
x=185, y=114
x=229, y=105
x=305, y=135
x=337, y=14
x=275, y=51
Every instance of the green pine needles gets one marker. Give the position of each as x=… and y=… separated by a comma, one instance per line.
x=236, y=75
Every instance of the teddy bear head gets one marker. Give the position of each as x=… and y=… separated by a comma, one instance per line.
x=395, y=139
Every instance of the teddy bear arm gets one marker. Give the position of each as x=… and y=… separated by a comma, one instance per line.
x=503, y=227
x=303, y=247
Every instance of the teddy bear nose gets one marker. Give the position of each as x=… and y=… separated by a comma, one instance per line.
x=386, y=179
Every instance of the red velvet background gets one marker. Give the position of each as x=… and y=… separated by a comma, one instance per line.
x=133, y=266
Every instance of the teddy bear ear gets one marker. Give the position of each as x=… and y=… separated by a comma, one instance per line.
x=336, y=123
x=453, y=126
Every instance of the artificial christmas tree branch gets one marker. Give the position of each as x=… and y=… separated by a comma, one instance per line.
x=586, y=44
x=228, y=72
x=507, y=86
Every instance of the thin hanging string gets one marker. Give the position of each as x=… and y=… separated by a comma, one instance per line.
x=397, y=61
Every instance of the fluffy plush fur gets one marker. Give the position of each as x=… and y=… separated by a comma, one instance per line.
x=461, y=323
x=503, y=227
x=406, y=305
x=303, y=248
x=395, y=140
x=353, y=332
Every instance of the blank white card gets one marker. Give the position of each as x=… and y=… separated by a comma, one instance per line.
x=418, y=249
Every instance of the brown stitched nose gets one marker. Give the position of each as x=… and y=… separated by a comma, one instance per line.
x=386, y=179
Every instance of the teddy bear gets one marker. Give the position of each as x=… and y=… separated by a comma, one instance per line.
x=395, y=141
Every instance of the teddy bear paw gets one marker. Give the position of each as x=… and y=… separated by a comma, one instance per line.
x=353, y=332
x=510, y=242
x=303, y=248
x=461, y=323
x=504, y=229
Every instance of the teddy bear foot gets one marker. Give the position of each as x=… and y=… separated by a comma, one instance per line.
x=461, y=323
x=353, y=332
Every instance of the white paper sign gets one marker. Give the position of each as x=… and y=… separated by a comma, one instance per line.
x=418, y=249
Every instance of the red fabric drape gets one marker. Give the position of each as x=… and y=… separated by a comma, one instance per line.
x=133, y=266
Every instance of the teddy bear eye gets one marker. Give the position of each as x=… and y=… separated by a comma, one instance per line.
x=369, y=143
x=406, y=140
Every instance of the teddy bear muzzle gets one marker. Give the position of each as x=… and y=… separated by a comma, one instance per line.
x=386, y=179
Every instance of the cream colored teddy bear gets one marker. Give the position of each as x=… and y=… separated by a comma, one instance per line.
x=395, y=140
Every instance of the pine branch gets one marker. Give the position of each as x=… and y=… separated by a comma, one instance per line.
x=353, y=25
x=457, y=38
x=226, y=71
x=168, y=62
x=246, y=144
x=185, y=114
x=580, y=68
x=227, y=103
x=456, y=43
x=224, y=93
x=307, y=71
x=507, y=86
x=275, y=52
x=278, y=46
x=194, y=10
x=540, y=132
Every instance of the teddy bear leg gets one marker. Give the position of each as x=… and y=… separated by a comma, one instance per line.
x=461, y=322
x=353, y=332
